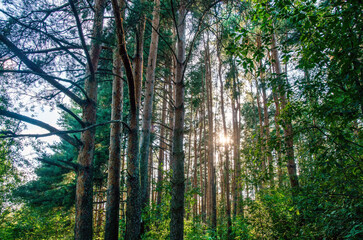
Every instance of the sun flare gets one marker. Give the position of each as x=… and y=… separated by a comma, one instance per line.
x=223, y=139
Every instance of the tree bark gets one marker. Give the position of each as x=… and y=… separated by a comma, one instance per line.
x=201, y=131
x=161, y=150
x=133, y=208
x=278, y=135
x=288, y=131
x=147, y=112
x=261, y=142
x=195, y=165
x=226, y=150
x=84, y=188
x=236, y=155
x=211, y=198
x=177, y=160
x=114, y=162
x=267, y=134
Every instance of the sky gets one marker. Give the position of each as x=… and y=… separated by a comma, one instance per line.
x=46, y=116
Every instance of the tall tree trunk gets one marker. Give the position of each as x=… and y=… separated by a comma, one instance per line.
x=133, y=208
x=238, y=198
x=114, y=162
x=278, y=135
x=187, y=180
x=150, y=173
x=201, y=131
x=147, y=112
x=205, y=157
x=226, y=149
x=84, y=188
x=288, y=131
x=177, y=160
x=239, y=166
x=195, y=165
x=122, y=181
x=235, y=159
x=267, y=134
x=162, y=148
x=212, y=209
x=261, y=137
x=266, y=127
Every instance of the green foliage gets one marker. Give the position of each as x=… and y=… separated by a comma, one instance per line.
x=29, y=223
x=273, y=215
x=322, y=42
x=157, y=217
x=55, y=187
x=9, y=179
x=240, y=229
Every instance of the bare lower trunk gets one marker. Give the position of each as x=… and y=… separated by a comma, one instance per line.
x=114, y=162
x=226, y=152
x=133, y=209
x=84, y=188
x=261, y=137
x=177, y=160
x=201, y=131
x=205, y=158
x=150, y=174
x=288, y=131
x=161, y=150
x=267, y=135
x=238, y=203
x=266, y=129
x=211, y=210
x=147, y=113
x=235, y=159
x=278, y=136
x=195, y=166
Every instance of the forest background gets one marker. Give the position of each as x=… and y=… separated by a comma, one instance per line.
x=195, y=119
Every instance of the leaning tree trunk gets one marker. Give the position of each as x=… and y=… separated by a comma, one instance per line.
x=84, y=188
x=177, y=160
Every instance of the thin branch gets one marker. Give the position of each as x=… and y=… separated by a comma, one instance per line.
x=57, y=132
x=41, y=75
x=55, y=164
x=64, y=108
x=83, y=41
x=58, y=41
x=52, y=130
x=90, y=6
x=162, y=37
x=198, y=32
x=162, y=124
x=174, y=18
x=56, y=49
x=34, y=67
